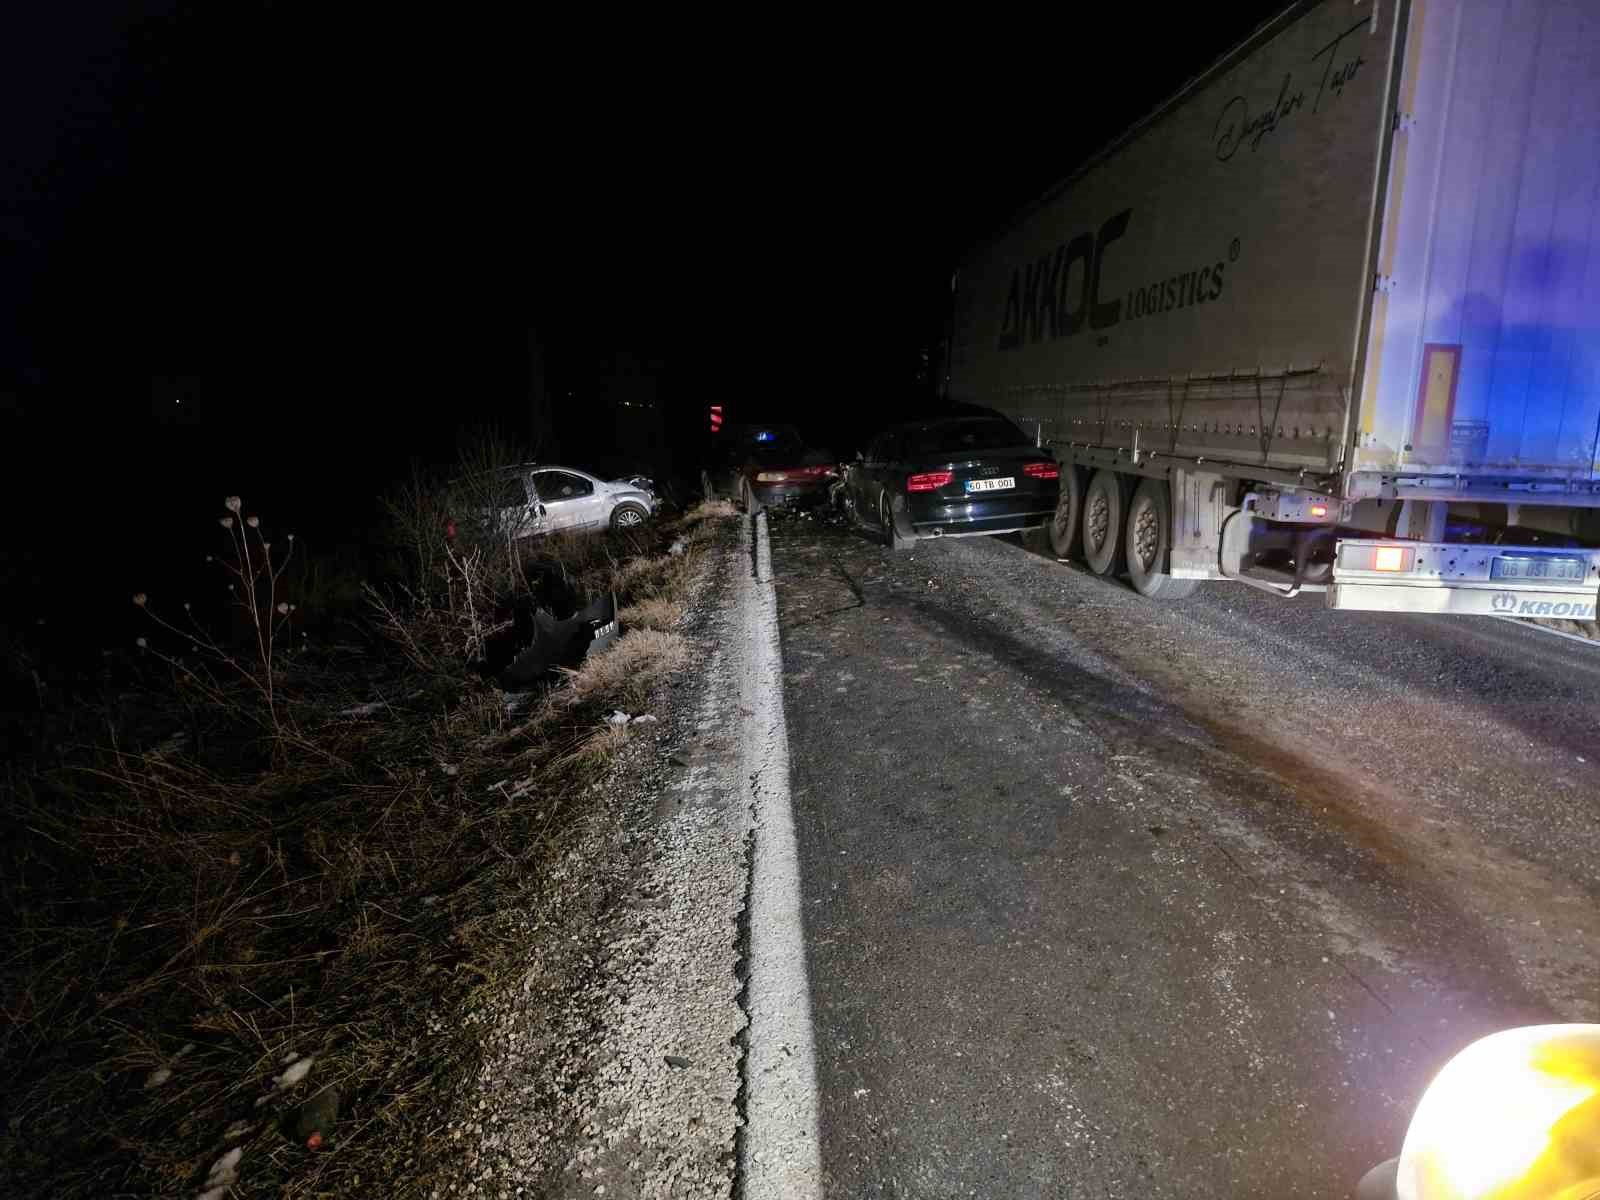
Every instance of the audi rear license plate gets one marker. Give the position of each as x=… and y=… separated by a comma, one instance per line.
x=992, y=485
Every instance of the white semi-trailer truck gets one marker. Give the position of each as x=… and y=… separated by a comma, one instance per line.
x=1327, y=320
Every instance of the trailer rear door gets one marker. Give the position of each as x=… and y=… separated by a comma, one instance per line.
x=1483, y=356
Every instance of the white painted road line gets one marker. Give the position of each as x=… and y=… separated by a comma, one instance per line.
x=781, y=1157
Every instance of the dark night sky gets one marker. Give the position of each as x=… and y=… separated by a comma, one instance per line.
x=345, y=224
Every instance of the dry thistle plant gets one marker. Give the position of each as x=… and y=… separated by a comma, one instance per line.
x=254, y=592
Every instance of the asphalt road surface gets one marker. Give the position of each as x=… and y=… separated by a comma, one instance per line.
x=1105, y=897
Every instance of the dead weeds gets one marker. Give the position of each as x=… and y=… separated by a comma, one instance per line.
x=628, y=672
x=173, y=933
x=654, y=612
x=708, y=510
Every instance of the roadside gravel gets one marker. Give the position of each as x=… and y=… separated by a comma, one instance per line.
x=612, y=1067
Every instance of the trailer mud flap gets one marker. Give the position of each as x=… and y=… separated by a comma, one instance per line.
x=1199, y=507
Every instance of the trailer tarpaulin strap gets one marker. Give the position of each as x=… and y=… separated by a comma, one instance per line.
x=1175, y=415
x=1277, y=408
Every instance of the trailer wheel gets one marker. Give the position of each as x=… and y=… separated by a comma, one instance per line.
x=1066, y=527
x=1148, y=542
x=1104, y=502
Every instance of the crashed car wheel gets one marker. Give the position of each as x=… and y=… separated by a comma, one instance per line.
x=892, y=537
x=885, y=519
x=628, y=516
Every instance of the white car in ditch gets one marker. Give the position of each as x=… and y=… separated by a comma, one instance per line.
x=538, y=499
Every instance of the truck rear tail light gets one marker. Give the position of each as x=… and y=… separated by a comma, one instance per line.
x=1044, y=470
x=928, y=481
x=1389, y=558
x=1319, y=511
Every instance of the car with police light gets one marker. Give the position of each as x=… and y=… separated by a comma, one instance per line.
x=767, y=466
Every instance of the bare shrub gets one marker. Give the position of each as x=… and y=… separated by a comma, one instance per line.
x=419, y=515
x=434, y=515
x=592, y=563
x=321, y=586
x=254, y=595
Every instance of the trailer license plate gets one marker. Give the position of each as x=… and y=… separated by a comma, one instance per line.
x=1541, y=566
x=992, y=485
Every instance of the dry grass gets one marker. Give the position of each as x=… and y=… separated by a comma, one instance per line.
x=593, y=749
x=654, y=612
x=209, y=916
x=645, y=577
x=708, y=510
x=628, y=672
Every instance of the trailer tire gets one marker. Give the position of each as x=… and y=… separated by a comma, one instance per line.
x=1104, y=506
x=1148, y=544
x=1066, y=527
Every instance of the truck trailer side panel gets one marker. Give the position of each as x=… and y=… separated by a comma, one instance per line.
x=1202, y=287
x=1484, y=354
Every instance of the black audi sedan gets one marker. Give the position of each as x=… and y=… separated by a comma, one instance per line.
x=951, y=476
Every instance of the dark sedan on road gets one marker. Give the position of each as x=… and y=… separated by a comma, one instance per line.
x=768, y=466
x=952, y=476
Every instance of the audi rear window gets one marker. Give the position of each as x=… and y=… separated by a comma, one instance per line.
x=953, y=437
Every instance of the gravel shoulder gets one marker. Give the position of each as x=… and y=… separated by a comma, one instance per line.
x=613, y=1067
